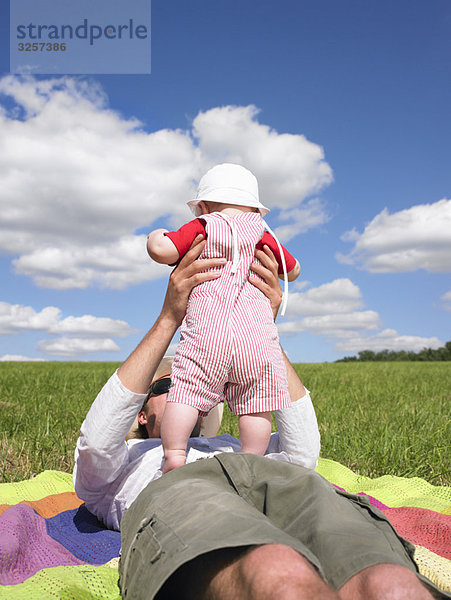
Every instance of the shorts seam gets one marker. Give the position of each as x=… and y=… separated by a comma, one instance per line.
x=376, y=519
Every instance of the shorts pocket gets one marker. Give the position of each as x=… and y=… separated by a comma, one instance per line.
x=154, y=540
x=146, y=537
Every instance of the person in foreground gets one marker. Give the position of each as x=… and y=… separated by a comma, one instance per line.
x=232, y=526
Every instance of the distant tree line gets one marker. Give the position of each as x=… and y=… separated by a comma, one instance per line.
x=427, y=354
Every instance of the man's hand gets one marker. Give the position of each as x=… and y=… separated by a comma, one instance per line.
x=188, y=273
x=268, y=271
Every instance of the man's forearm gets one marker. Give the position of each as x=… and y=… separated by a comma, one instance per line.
x=297, y=425
x=295, y=387
x=137, y=372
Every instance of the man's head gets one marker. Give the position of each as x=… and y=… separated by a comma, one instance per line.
x=148, y=422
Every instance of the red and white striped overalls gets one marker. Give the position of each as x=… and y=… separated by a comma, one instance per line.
x=229, y=346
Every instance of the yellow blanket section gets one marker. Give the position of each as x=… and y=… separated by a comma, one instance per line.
x=388, y=489
x=83, y=582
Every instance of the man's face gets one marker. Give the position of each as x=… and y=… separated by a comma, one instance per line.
x=152, y=413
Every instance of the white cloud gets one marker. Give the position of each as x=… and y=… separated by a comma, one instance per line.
x=338, y=296
x=389, y=339
x=330, y=309
x=19, y=358
x=341, y=325
x=415, y=238
x=446, y=301
x=78, y=179
x=310, y=215
x=114, y=265
x=87, y=325
x=65, y=346
x=15, y=318
x=289, y=168
x=300, y=285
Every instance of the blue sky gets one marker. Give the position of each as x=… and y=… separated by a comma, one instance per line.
x=341, y=109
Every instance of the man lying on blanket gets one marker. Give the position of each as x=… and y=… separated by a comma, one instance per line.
x=234, y=526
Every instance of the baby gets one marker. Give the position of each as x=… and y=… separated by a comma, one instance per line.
x=229, y=346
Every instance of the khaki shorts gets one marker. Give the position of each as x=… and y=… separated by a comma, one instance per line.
x=235, y=500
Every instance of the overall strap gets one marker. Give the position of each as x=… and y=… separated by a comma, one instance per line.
x=236, y=250
x=284, y=267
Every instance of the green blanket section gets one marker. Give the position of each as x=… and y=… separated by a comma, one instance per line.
x=83, y=582
x=45, y=484
x=388, y=489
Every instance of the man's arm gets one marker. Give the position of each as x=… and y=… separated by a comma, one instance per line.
x=297, y=425
x=295, y=387
x=101, y=452
x=298, y=429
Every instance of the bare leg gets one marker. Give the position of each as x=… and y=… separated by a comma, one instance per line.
x=384, y=582
x=270, y=572
x=255, y=431
x=177, y=423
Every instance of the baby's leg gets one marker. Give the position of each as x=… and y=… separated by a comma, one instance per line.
x=176, y=426
x=255, y=431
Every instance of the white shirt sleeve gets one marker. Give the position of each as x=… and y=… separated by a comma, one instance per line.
x=298, y=438
x=101, y=452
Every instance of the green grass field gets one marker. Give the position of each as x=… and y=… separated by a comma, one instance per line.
x=376, y=418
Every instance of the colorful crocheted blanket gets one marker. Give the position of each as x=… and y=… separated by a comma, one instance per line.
x=52, y=547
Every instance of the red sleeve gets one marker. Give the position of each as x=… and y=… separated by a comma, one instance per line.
x=268, y=240
x=184, y=237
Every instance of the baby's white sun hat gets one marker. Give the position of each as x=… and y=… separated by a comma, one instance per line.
x=230, y=184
